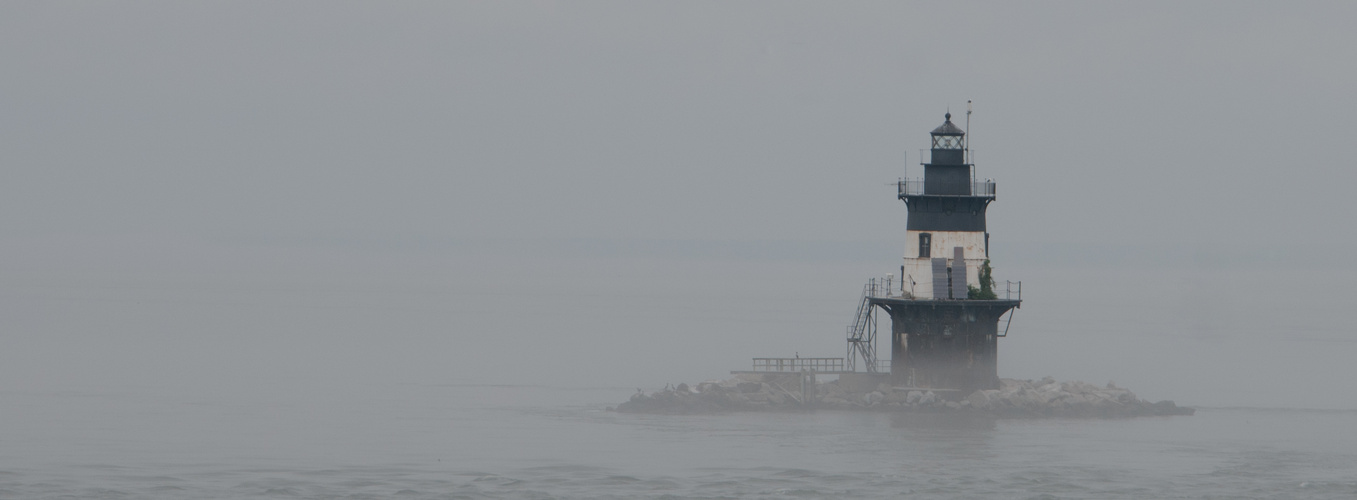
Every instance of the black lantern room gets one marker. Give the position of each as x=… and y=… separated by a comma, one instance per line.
x=947, y=172
x=949, y=144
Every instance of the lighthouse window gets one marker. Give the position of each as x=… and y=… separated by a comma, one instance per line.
x=925, y=242
x=946, y=142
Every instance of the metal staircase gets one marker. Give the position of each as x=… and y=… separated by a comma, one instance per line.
x=862, y=333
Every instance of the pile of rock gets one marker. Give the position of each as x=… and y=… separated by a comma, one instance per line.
x=1014, y=398
x=1048, y=398
x=741, y=393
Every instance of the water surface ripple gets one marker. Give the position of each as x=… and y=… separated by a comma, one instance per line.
x=445, y=442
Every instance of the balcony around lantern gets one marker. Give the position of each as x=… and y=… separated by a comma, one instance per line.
x=916, y=187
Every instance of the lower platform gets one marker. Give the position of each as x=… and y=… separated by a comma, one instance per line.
x=945, y=344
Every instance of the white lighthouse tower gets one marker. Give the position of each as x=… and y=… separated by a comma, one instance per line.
x=945, y=231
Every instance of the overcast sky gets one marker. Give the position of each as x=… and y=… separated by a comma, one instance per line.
x=313, y=195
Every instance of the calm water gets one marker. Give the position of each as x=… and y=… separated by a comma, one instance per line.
x=538, y=442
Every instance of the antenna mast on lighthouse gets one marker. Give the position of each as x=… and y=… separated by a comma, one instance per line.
x=968, y=138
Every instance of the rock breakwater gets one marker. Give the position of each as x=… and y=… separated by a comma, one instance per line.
x=796, y=391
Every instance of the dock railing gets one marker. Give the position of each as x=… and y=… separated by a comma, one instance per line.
x=798, y=364
x=883, y=366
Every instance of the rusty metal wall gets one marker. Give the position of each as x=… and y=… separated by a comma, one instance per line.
x=949, y=344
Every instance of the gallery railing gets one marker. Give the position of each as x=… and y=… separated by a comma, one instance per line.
x=916, y=187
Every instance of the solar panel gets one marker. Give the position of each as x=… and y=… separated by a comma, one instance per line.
x=939, y=277
x=958, y=273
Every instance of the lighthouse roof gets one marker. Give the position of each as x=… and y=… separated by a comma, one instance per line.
x=948, y=128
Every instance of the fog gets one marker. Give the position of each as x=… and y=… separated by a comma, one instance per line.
x=257, y=199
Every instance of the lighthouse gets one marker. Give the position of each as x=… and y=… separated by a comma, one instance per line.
x=946, y=212
x=945, y=312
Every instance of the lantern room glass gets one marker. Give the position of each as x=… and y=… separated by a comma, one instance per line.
x=946, y=142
